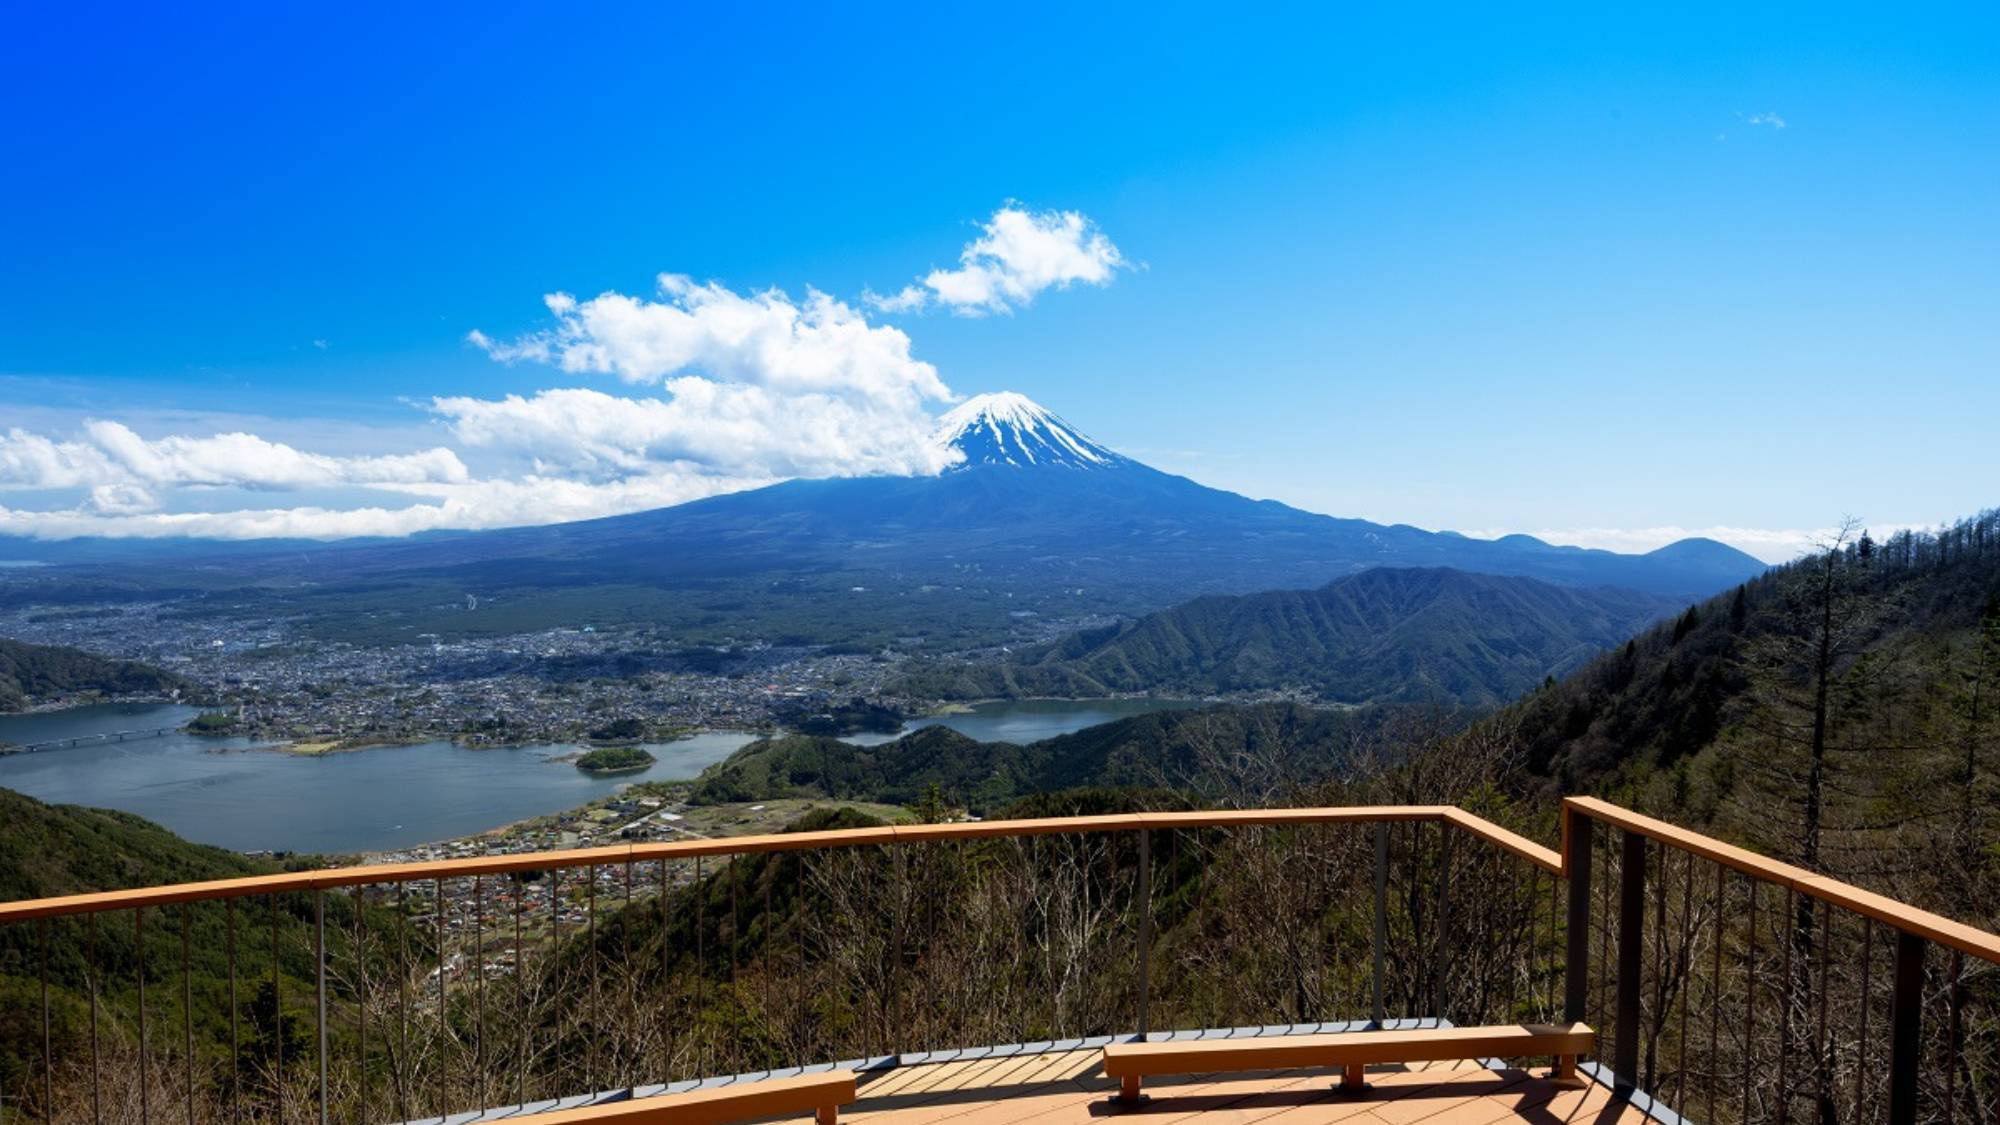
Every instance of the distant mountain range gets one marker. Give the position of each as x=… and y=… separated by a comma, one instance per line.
x=1384, y=635
x=1035, y=518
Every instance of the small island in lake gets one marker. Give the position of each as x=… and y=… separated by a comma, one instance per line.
x=615, y=759
x=212, y=722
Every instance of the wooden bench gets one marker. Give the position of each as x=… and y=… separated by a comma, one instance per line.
x=1351, y=1051
x=823, y=1094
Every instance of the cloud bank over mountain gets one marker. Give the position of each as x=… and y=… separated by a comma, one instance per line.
x=730, y=390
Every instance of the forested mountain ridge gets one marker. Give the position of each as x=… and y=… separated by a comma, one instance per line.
x=1384, y=635
x=32, y=673
x=1208, y=750
x=1841, y=712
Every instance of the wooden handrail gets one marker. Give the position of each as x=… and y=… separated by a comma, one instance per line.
x=1932, y=927
x=332, y=877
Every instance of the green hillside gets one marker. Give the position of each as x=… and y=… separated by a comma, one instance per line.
x=1383, y=635
x=1209, y=750
x=1842, y=712
x=32, y=673
x=66, y=849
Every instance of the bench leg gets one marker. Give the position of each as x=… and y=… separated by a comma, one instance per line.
x=1564, y=1073
x=1354, y=1079
x=1128, y=1090
x=827, y=1115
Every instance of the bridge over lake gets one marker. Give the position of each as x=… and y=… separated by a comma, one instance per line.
x=87, y=740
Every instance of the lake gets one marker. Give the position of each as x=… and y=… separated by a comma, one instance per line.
x=223, y=791
x=1030, y=720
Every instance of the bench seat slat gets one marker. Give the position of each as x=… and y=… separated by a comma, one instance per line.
x=1342, y=1049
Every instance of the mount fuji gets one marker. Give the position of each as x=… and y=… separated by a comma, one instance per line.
x=1011, y=429
x=1032, y=517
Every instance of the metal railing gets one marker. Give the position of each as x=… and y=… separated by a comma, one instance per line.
x=425, y=990
x=1735, y=988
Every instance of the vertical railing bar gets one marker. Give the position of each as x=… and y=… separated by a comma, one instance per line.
x=799, y=947
x=555, y=928
x=625, y=916
x=1867, y=988
x=1445, y=905
x=1787, y=991
x=667, y=971
x=444, y=1012
x=700, y=954
x=278, y=1016
x=479, y=987
x=1604, y=931
x=1577, y=851
x=145, y=1061
x=403, y=1061
x=1750, y=998
x=1905, y=1028
x=48, y=1040
x=520, y=995
x=187, y=1000
x=90, y=959
x=1549, y=973
x=319, y=993
x=1658, y=1024
x=1380, y=1009
x=235, y=1068
x=1822, y=1063
x=1713, y=1070
x=1516, y=968
x=1631, y=956
x=1686, y=961
x=764, y=945
x=1145, y=931
x=1954, y=1031
x=596, y=1000
x=895, y=1024
x=1036, y=846
x=357, y=901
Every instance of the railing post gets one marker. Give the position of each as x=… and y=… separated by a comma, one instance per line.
x=1905, y=1013
x=1145, y=930
x=1631, y=923
x=319, y=959
x=1443, y=922
x=1576, y=871
x=1381, y=915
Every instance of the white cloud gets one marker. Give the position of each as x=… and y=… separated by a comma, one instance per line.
x=818, y=345
x=1771, y=119
x=111, y=455
x=727, y=428
x=517, y=502
x=1019, y=254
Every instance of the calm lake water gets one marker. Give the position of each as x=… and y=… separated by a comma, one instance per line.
x=1031, y=720
x=225, y=791
x=222, y=791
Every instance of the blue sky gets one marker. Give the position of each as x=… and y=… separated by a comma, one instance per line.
x=1584, y=272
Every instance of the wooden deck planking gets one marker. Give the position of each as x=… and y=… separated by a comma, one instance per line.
x=1069, y=1088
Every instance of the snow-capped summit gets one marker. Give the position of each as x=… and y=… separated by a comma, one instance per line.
x=1012, y=429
